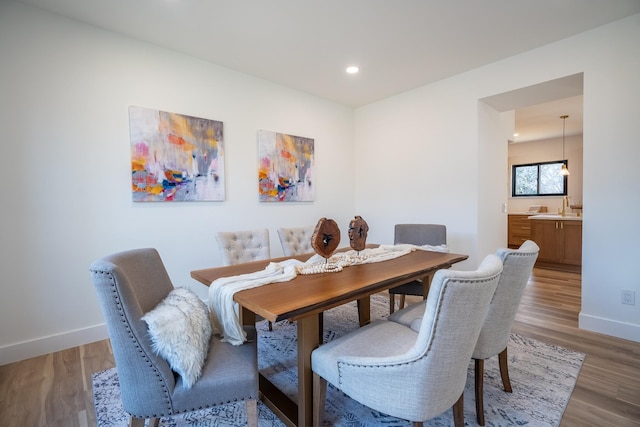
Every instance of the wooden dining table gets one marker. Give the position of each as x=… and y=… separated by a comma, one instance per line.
x=306, y=297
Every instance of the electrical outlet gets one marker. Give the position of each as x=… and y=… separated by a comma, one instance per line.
x=628, y=297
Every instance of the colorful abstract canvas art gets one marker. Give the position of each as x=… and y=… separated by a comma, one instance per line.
x=175, y=157
x=285, y=168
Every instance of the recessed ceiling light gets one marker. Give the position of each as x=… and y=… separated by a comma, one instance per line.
x=352, y=69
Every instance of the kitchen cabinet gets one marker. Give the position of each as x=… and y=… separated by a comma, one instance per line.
x=560, y=243
x=518, y=230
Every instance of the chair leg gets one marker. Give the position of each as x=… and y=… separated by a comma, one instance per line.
x=154, y=422
x=479, y=381
x=392, y=303
x=417, y=424
x=458, y=412
x=504, y=370
x=270, y=326
x=252, y=413
x=402, y=300
x=319, y=398
x=136, y=422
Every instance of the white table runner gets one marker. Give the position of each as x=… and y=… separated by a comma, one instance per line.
x=224, y=312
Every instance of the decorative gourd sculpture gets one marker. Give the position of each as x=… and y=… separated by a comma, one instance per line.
x=326, y=237
x=358, y=229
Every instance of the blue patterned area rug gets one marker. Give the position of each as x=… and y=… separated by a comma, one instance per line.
x=542, y=378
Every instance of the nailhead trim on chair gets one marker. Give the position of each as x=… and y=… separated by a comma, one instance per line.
x=209, y=406
x=163, y=384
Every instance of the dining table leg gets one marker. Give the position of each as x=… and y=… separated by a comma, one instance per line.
x=364, y=310
x=247, y=317
x=426, y=285
x=308, y=340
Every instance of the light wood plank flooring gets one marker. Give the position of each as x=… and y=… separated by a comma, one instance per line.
x=607, y=392
x=55, y=389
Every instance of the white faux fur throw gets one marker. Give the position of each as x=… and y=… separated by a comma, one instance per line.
x=224, y=312
x=180, y=331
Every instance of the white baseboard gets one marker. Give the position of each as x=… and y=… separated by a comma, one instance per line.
x=614, y=328
x=38, y=347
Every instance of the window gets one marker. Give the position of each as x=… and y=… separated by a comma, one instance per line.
x=538, y=179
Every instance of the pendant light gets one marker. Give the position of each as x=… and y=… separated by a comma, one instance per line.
x=564, y=171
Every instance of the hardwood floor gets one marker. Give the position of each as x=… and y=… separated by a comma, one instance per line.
x=55, y=389
x=607, y=392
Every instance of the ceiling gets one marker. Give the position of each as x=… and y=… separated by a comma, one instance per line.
x=307, y=45
x=542, y=121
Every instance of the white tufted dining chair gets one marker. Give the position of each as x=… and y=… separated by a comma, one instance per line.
x=418, y=372
x=495, y=332
x=237, y=247
x=296, y=240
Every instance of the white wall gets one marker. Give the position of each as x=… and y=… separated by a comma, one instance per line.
x=494, y=129
x=611, y=176
x=66, y=201
x=418, y=159
x=409, y=154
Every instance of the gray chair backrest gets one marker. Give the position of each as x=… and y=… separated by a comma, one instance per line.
x=296, y=240
x=420, y=234
x=128, y=285
x=237, y=247
x=517, y=267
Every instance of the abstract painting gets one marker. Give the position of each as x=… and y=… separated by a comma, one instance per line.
x=175, y=157
x=285, y=168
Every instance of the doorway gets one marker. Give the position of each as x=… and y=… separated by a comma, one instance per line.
x=541, y=135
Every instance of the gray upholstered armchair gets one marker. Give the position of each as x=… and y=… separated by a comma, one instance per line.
x=296, y=240
x=415, y=234
x=417, y=372
x=495, y=332
x=131, y=284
